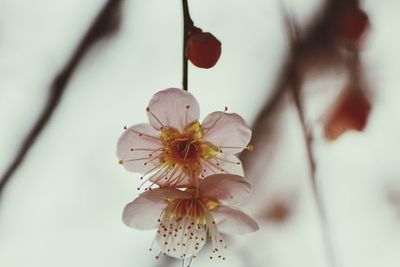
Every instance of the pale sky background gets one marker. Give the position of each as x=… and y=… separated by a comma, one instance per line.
x=64, y=205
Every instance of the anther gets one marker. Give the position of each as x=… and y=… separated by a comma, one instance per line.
x=226, y=108
x=125, y=127
x=250, y=147
x=121, y=162
x=147, y=109
x=187, y=106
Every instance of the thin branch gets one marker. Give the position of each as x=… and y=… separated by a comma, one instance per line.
x=187, y=26
x=308, y=140
x=106, y=23
x=316, y=47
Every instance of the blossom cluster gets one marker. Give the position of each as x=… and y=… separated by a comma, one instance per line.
x=192, y=177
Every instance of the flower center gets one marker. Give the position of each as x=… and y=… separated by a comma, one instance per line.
x=185, y=225
x=186, y=149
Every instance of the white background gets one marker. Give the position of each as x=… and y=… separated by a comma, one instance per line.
x=63, y=207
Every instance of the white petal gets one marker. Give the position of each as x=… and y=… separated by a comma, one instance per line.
x=233, y=221
x=227, y=131
x=173, y=107
x=138, y=146
x=226, y=188
x=222, y=163
x=143, y=213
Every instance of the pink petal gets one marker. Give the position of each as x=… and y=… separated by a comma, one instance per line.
x=173, y=107
x=138, y=146
x=232, y=221
x=223, y=163
x=226, y=188
x=143, y=213
x=145, y=210
x=227, y=131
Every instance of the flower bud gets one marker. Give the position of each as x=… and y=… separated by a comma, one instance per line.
x=202, y=48
x=352, y=23
x=351, y=112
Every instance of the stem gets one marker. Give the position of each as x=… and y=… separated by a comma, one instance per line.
x=187, y=26
x=106, y=23
x=295, y=88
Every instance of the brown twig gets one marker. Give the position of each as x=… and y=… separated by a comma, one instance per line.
x=316, y=46
x=106, y=23
x=187, y=26
x=308, y=139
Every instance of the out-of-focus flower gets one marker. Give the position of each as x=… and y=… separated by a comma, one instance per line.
x=202, y=48
x=175, y=149
x=350, y=112
x=352, y=22
x=186, y=219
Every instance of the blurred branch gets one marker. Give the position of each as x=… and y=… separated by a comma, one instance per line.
x=316, y=47
x=105, y=23
x=295, y=89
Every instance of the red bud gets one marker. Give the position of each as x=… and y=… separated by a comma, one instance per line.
x=350, y=113
x=353, y=23
x=203, y=49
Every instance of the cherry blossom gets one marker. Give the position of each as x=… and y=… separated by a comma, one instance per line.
x=186, y=219
x=174, y=149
